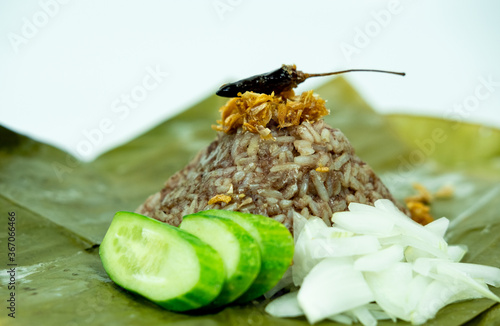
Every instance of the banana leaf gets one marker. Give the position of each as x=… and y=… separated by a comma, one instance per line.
x=63, y=208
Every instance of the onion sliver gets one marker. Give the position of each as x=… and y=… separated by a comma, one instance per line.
x=361, y=222
x=379, y=260
x=358, y=245
x=285, y=306
x=457, y=252
x=364, y=316
x=390, y=288
x=377, y=254
x=490, y=275
x=418, y=243
x=436, y=295
x=416, y=290
x=333, y=286
x=457, y=275
x=439, y=226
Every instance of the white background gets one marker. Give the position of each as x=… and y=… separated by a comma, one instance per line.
x=66, y=67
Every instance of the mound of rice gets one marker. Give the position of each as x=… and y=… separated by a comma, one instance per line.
x=309, y=168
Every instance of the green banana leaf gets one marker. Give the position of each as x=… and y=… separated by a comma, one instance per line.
x=63, y=208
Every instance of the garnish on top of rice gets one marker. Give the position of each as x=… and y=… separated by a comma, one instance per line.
x=257, y=112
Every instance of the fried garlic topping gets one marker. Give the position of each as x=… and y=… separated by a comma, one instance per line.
x=255, y=112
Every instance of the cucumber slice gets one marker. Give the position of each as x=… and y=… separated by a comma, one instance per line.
x=166, y=265
x=276, y=249
x=238, y=250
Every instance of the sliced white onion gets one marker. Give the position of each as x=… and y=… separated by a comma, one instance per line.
x=435, y=296
x=350, y=246
x=412, y=254
x=303, y=263
x=457, y=275
x=377, y=254
x=364, y=316
x=357, y=207
x=418, y=243
x=337, y=232
x=490, y=275
x=285, y=306
x=390, y=288
x=332, y=286
x=312, y=228
x=416, y=290
x=426, y=266
x=439, y=226
x=410, y=227
x=363, y=223
x=379, y=260
x=415, y=231
x=457, y=252
x=388, y=206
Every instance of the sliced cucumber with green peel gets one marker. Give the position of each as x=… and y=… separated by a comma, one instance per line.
x=276, y=248
x=163, y=263
x=238, y=249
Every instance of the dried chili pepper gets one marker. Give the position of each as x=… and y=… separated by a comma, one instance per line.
x=279, y=80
